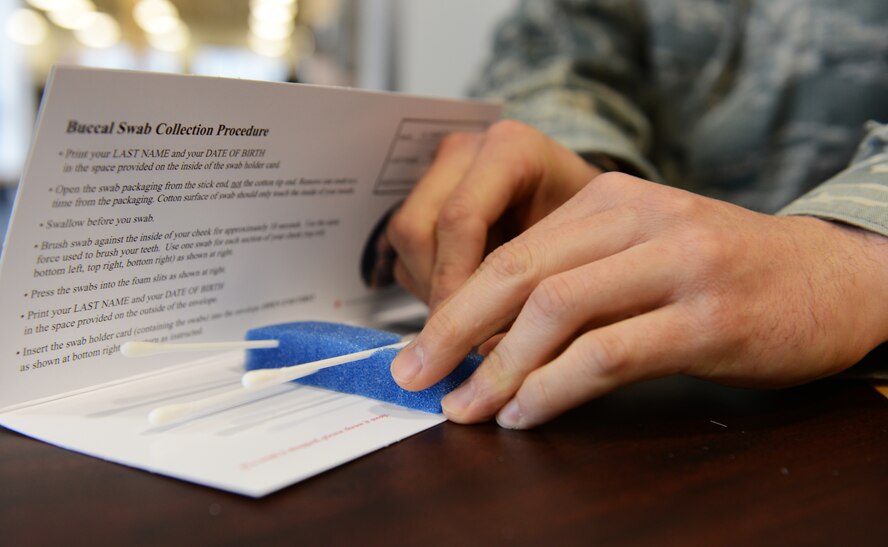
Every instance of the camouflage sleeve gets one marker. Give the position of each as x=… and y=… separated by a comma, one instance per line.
x=859, y=194
x=574, y=69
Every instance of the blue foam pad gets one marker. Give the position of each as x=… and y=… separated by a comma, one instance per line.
x=303, y=342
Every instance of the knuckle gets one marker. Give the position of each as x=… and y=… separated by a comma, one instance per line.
x=611, y=179
x=456, y=214
x=707, y=248
x=669, y=207
x=514, y=260
x=509, y=130
x=398, y=233
x=552, y=298
x=399, y=223
x=613, y=189
x=446, y=273
x=606, y=357
x=683, y=205
x=616, y=187
x=455, y=143
x=517, y=147
x=443, y=328
x=405, y=233
x=499, y=365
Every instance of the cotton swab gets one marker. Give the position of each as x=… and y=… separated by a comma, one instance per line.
x=321, y=346
x=165, y=415
x=138, y=348
x=309, y=342
x=273, y=376
x=371, y=377
x=253, y=381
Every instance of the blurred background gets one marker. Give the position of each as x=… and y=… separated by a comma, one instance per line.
x=427, y=47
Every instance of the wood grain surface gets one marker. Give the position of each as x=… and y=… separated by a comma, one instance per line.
x=668, y=462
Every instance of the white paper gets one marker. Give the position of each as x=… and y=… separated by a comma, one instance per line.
x=287, y=434
x=176, y=208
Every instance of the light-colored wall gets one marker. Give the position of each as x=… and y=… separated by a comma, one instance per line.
x=16, y=104
x=427, y=47
x=442, y=43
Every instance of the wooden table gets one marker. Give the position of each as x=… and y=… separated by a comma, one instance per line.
x=674, y=461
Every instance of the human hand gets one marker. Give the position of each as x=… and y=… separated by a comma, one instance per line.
x=481, y=190
x=631, y=280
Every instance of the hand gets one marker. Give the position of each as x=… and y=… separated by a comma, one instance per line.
x=631, y=280
x=481, y=190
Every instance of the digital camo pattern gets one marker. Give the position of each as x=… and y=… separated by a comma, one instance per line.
x=754, y=102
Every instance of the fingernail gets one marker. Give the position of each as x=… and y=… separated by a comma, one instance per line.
x=510, y=416
x=407, y=364
x=456, y=403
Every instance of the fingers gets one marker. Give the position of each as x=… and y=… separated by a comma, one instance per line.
x=411, y=230
x=441, y=231
x=629, y=280
x=497, y=178
x=516, y=168
x=560, y=307
x=650, y=345
x=493, y=296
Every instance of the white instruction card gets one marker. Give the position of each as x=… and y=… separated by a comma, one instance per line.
x=176, y=208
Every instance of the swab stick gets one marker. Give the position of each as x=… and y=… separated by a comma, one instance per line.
x=371, y=377
x=273, y=376
x=138, y=348
x=192, y=409
x=253, y=382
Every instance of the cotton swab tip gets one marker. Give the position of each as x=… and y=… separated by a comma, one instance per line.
x=191, y=409
x=168, y=414
x=137, y=348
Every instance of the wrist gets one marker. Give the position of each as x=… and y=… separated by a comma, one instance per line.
x=867, y=254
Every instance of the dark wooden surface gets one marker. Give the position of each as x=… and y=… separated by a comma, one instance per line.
x=670, y=462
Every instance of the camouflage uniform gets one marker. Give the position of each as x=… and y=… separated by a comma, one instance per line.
x=751, y=101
